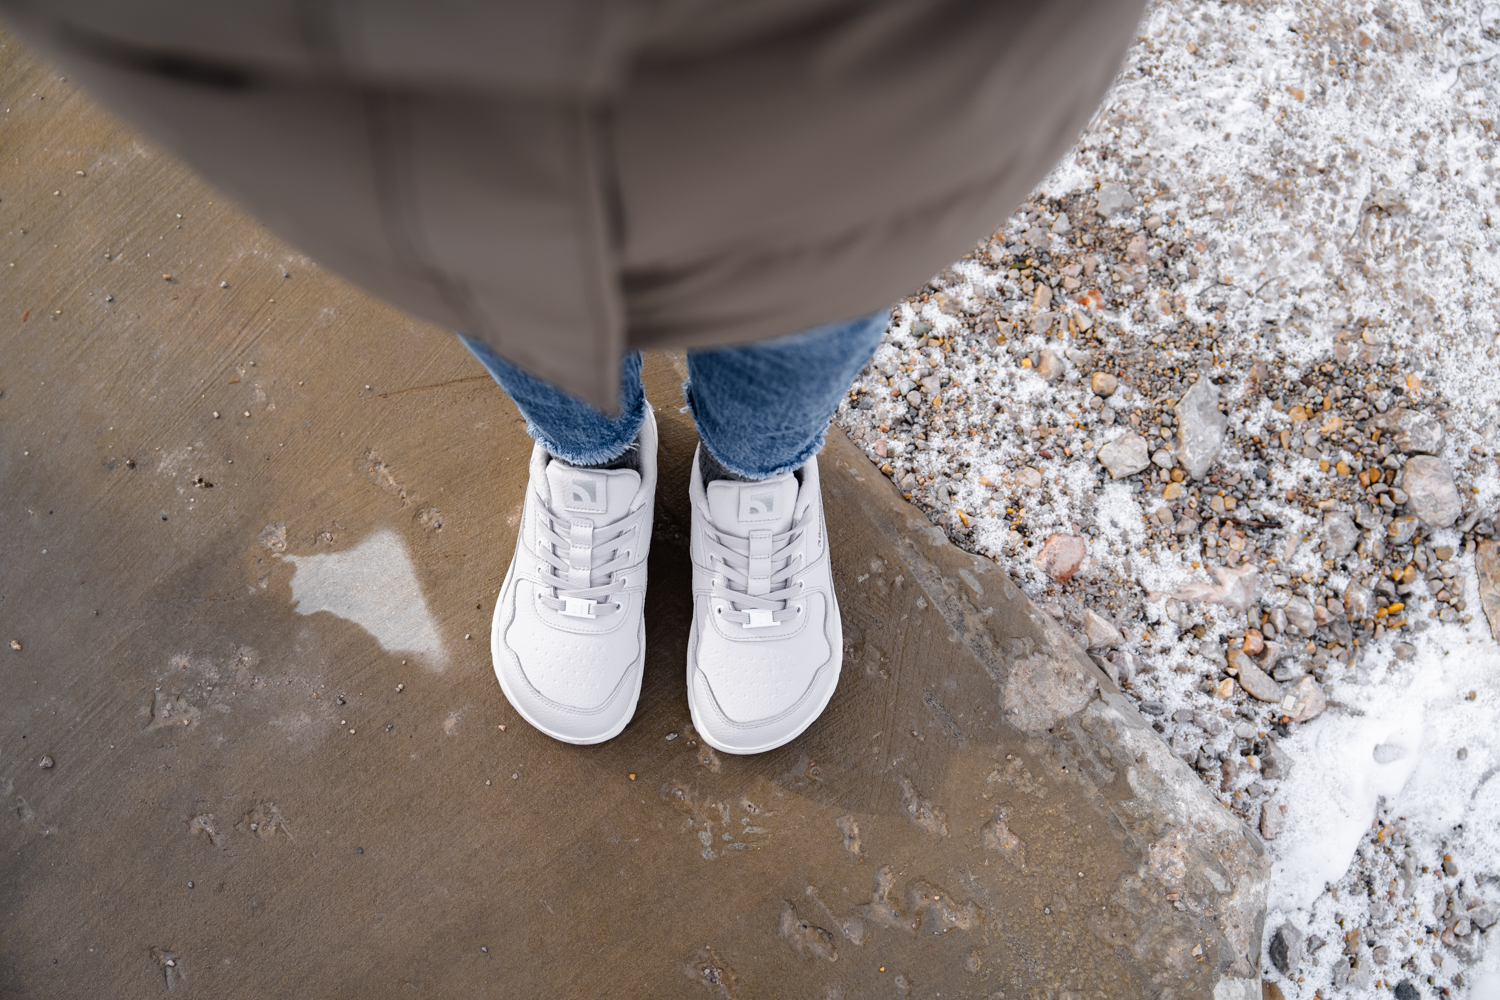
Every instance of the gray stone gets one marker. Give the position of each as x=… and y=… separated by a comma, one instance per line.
x=1272, y=819
x=1310, y=701
x=1232, y=587
x=1163, y=458
x=1050, y=366
x=1487, y=566
x=1100, y=633
x=1299, y=613
x=1401, y=530
x=1125, y=456
x=1286, y=948
x=1200, y=428
x=1483, y=916
x=1428, y=482
x=1359, y=602
x=1340, y=533
x=1274, y=763
x=1287, y=670
x=1253, y=679
x=1112, y=200
x=1417, y=432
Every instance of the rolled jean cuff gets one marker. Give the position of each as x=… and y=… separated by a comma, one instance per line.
x=757, y=471
x=569, y=428
x=763, y=409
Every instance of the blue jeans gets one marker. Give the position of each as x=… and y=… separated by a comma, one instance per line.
x=761, y=410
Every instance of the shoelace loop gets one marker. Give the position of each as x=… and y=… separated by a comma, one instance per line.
x=559, y=543
x=784, y=554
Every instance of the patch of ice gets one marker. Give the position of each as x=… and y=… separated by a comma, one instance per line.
x=374, y=586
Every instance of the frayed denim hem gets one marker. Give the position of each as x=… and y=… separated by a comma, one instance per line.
x=799, y=459
x=596, y=455
x=593, y=437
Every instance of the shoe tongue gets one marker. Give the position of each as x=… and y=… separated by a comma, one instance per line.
x=600, y=495
x=739, y=508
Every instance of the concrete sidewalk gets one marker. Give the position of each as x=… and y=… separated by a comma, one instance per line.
x=252, y=525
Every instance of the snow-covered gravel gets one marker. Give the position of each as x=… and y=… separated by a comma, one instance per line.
x=1294, y=202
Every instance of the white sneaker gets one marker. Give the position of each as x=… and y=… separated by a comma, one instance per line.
x=766, y=643
x=569, y=634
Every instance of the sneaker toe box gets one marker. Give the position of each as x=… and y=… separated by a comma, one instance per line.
x=580, y=687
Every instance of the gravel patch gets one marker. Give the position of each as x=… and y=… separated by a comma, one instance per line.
x=1223, y=398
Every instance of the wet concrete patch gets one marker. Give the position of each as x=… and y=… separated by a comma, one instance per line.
x=373, y=585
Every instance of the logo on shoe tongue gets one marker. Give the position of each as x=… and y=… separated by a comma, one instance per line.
x=757, y=505
x=585, y=493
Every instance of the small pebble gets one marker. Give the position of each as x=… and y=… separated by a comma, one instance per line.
x=47, y=763
x=190, y=885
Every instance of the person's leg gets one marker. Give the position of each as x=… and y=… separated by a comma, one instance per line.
x=763, y=409
x=766, y=646
x=569, y=428
x=568, y=639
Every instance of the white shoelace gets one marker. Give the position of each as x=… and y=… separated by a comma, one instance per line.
x=757, y=577
x=580, y=585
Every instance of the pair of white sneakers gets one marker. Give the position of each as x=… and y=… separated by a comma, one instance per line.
x=569, y=633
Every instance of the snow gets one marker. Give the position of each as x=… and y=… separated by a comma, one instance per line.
x=1401, y=747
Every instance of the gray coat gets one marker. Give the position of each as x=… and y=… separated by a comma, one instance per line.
x=568, y=179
